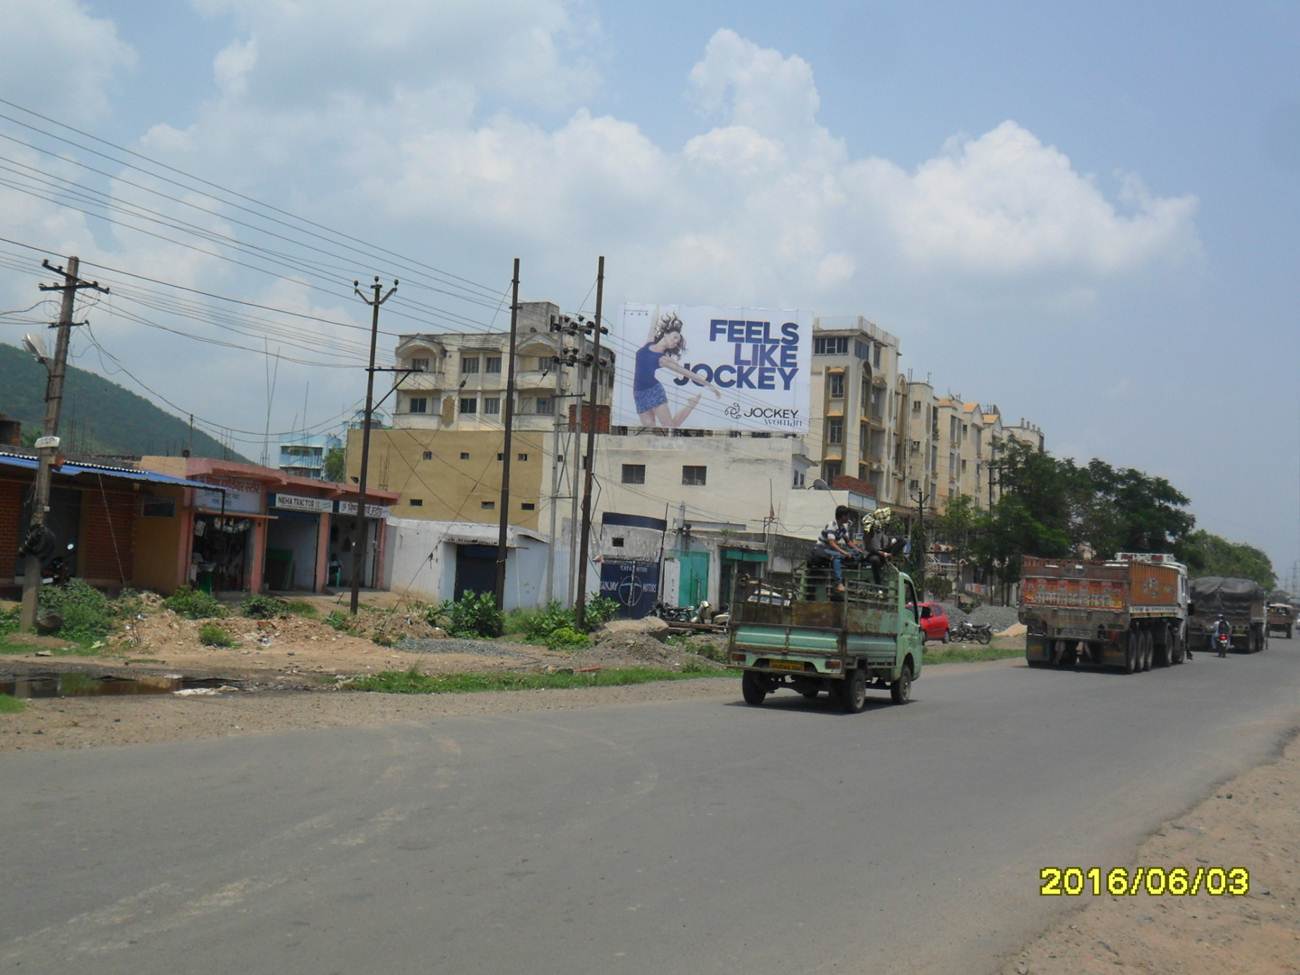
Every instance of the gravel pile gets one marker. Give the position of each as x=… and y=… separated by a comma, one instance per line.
x=481, y=648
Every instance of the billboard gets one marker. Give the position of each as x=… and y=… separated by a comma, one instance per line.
x=706, y=367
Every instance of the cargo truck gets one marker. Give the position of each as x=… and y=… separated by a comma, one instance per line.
x=805, y=637
x=1129, y=612
x=1243, y=604
x=1281, y=618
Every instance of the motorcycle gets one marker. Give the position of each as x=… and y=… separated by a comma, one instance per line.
x=1223, y=642
x=968, y=632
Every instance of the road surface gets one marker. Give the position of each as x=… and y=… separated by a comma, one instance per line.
x=697, y=836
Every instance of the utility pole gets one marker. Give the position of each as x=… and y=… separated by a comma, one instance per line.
x=921, y=496
x=359, y=529
x=48, y=445
x=558, y=362
x=504, y=504
x=581, y=607
x=575, y=467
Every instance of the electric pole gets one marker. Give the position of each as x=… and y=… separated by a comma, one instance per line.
x=581, y=607
x=921, y=496
x=505, y=455
x=560, y=326
x=48, y=445
x=359, y=530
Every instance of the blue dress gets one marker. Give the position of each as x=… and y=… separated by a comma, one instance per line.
x=646, y=389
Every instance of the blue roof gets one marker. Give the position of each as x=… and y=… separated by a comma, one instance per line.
x=124, y=473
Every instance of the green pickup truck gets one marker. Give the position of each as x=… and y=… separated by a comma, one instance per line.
x=806, y=637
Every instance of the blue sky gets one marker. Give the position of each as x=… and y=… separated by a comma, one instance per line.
x=1085, y=213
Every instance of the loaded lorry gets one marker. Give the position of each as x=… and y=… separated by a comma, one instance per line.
x=1129, y=612
x=806, y=637
x=1243, y=603
x=1281, y=615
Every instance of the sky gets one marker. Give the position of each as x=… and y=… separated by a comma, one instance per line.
x=1086, y=214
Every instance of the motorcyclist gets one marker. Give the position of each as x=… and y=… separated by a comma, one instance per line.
x=1221, y=628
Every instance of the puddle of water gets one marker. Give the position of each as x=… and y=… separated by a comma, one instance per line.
x=90, y=685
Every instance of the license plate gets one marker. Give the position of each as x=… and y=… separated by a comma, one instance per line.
x=785, y=664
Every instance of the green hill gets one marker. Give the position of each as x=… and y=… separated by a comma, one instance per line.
x=99, y=417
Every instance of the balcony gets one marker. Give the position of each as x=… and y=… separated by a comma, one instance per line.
x=421, y=381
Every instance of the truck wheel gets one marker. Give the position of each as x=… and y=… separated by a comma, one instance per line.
x=1132, y=652
x=900, y=691
x=1288, y=632
x=1176, y=654
x=752, y=688
x=1148, y=650
x=853, y=692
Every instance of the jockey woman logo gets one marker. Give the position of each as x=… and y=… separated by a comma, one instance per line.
x=733, y=411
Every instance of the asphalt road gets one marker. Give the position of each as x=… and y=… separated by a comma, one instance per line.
x=698, y=836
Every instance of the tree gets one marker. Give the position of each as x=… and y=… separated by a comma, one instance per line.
x=960, y=522
x=1207, y=554
x=336, y=468
x=1129, y=511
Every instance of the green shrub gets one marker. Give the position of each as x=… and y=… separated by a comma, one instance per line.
x=300, y=607
x=86, y=613
x=339, y=620
x=475, y=614
x=214, y=635
x=194, y=604
x=259, y=607
x=9, y=620
x=128, y=605
x=600, y=610
x=567, y=638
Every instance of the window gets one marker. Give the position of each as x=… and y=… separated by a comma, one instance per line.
x=528, y=506
x=875, y=358
x=492, y=364
x=862, y=472
x=916, y=446
x=487, y=505
x=420, y=365
x=545, y=406
x=469, y=404
x=468, y=364
x=464, y=455
x=500, y=456
x=492, y=405
x=835, y=430
x=617, y=541
x=832, y=469
x=798, y=479
x=417, y=404
x=427, y=455
x=916, y=406
x=831, y=345
x=963, y=465
x=837, y=385
x=521, y=457
x=416, y=502
x=634, y=473
x=913, y=485
x=693, y=475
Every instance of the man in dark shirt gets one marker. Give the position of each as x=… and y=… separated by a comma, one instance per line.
x=833, y=544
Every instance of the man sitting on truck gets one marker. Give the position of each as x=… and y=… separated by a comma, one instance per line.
x=833, y=544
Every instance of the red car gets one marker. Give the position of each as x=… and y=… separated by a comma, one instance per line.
x=934, y=622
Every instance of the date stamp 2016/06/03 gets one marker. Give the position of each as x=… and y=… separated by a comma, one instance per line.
x=1153, y=881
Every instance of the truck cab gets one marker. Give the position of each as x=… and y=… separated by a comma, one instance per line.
x=806, y=637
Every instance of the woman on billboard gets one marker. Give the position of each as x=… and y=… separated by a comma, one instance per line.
x=663, y=352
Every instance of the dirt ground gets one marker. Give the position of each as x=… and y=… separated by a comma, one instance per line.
x=1249, y=822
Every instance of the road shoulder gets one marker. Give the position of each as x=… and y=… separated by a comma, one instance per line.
x=1249, y=821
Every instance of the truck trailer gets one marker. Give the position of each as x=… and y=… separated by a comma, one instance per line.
x=1243, y=603
x=1129, y=612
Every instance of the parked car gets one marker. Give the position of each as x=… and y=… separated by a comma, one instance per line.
x=934, y=622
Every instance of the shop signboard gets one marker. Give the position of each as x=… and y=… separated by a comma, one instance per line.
x=242, y=497
x=350, y=508
x=713, y=368
x=296, y=502
x=633, y=584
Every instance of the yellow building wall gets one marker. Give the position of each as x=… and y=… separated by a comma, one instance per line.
x=461, y=474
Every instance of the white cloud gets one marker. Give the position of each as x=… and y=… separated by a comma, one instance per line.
x=56, y=55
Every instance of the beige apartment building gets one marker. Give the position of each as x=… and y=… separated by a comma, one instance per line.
x=855, y=405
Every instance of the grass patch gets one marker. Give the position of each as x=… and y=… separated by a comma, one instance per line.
x=301, y=607
x=17, y=643
x=413, y=682
x=952, y=655
x=214, y=635
x=11, y=705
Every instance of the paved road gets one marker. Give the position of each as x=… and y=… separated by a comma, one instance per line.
x=698, y=837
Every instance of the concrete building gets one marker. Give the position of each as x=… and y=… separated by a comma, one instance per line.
x=1027, y=433
x=854, y=403
x=459, y=382
x=304, y=456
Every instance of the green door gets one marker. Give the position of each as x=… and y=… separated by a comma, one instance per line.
x=693, y=581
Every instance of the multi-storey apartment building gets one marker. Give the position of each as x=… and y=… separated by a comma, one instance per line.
x=304, y=456
x=459, y=379
x=855, y=403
